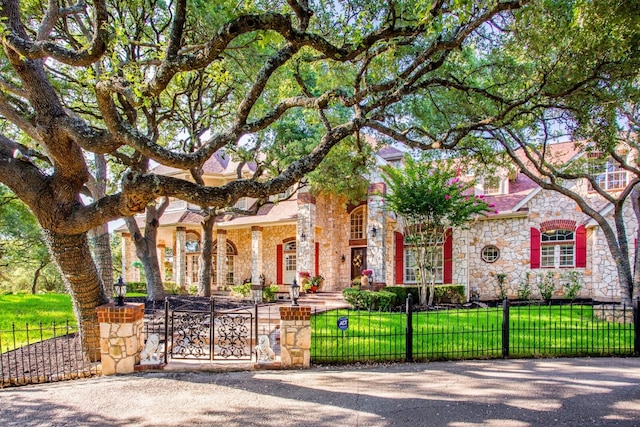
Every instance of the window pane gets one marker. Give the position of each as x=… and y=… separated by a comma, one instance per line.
x=290, y=262
x=357, y=224
x=230, y=268
x=566, y=256
x=409, y=266
x=547, y=256
x=557, y=235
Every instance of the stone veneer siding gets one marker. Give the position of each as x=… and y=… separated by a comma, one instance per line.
x=121, y=338
x=295, y=337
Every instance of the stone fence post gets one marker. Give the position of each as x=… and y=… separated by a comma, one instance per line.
x=121, y=338
x=295, y=337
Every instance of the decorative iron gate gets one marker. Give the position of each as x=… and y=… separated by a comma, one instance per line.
x=198, y=333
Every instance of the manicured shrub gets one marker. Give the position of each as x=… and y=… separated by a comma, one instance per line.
x=269, y=293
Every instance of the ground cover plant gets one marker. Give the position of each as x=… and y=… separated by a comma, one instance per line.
x=534, y=331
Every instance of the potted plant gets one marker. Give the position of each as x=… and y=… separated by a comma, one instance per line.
x=366, y=277
x=315, y=282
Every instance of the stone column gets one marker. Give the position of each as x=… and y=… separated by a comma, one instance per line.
x=221, y=258
x=376, y=248
x=128, y=256
x=295, y=337
x=256, y=262
x=180, y=258
x=121, y=339
x=306, y=233
x=160, y=249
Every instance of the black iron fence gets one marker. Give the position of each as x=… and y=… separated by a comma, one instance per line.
x=45, y=353
x=527, y=330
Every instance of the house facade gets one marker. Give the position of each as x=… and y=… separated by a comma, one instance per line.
x=536, y=234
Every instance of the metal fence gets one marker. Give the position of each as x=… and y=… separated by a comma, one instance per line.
x=528, y=330
x=45, y=353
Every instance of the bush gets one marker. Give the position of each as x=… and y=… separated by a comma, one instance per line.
x=386, y=300
x=269, y=293
x=239, y=292
x=401, y=293
x=353, y=297
x=369, y=300
x=573, y=284
x=453, y=294
x=524, y=288
x=546, y=285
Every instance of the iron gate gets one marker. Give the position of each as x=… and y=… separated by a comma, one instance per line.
x=207, y=333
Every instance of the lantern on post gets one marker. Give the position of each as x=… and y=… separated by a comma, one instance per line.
x=294, y=293
x=120, y=290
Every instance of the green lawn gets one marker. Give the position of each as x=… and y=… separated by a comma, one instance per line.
x=477, y=333
x=26, y=312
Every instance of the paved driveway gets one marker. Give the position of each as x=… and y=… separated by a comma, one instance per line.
x=538, y=392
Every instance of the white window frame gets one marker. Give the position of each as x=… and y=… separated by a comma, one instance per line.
x=558, y=250
x=357, y=224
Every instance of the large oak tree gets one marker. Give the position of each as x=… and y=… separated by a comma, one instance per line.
x=175, y=82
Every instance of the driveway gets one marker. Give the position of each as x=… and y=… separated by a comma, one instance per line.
x=536, y=392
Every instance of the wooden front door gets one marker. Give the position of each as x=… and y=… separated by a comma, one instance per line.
x=358, y=261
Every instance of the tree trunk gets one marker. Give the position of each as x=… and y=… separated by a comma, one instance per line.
x=206, y=255
x=36, y=276
x=101, y=243
x=146, y=251
x=80, y=276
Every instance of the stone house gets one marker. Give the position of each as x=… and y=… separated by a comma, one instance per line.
x=536, y=231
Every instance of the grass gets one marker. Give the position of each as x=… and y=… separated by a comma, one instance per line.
x=534, y=331
x=25, y=313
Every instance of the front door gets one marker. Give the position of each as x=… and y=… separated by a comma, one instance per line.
x=358, y=261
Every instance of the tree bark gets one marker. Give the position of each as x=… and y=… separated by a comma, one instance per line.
x=80, y=276
x=101, y=243
x=146, y=251
x=206, y=255
x=36, y=276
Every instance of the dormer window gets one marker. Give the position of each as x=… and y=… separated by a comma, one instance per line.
x=608, y=174
x=491, y=185
x=241, y=203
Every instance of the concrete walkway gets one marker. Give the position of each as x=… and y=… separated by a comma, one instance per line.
x=536, y=392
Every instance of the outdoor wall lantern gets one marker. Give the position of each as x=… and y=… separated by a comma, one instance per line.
x=303, y=237
x=374, y=231
x=342, y=258
x=294, y=293
x=120, y=290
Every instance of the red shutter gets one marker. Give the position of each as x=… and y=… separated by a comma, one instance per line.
x=581, y=247
x=399, y=241
x=279, y=264
x=447, y=272
x=535, y=248
x=317, y=256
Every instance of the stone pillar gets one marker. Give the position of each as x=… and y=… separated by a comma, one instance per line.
x=295, y=337
x=221, y=258
x=128, y=256
x=256, y=262
x=306, y=233
x=180, y=258
x=121, y=339
x=160, y=249
x=376, y=247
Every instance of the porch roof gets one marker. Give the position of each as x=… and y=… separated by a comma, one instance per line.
x=282, y=212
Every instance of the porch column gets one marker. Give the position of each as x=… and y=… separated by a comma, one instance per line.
x=180, y=258
x=306, y=233
x=128, y=256
x=376, y=233
x=221, y=258
x=160, y=249
x=256, y=262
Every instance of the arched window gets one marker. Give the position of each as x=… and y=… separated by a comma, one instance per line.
x=358, y=224
x=230, y=260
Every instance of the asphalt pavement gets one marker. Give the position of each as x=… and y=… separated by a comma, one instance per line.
x=535, y=392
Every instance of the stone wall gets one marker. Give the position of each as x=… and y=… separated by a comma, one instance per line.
x=295, y=337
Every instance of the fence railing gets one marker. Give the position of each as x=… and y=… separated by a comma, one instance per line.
x=45, y=353
x=531, y=330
